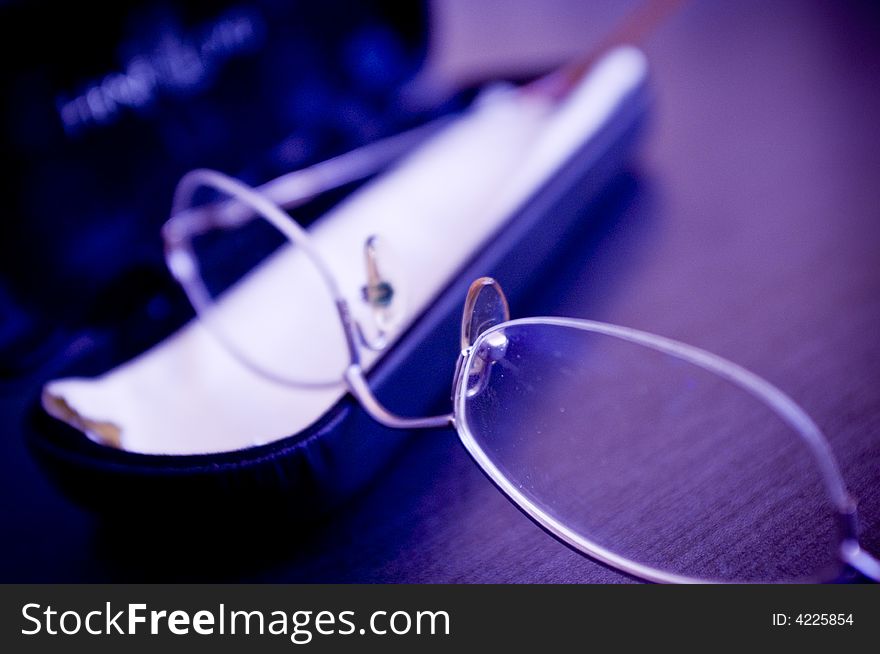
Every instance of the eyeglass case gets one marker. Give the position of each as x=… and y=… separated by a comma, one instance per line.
x=311, y=471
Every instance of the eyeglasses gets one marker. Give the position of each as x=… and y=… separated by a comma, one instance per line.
x=651, y=456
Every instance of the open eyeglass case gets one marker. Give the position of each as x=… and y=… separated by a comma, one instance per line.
x=184, y=424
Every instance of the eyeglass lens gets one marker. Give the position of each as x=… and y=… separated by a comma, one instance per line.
x=647, y=455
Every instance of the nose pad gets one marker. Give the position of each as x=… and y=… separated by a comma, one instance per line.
x=383, y=294
x=484, y=307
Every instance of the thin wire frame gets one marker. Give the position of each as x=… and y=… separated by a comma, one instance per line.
x=849, y=551
x=184, y=225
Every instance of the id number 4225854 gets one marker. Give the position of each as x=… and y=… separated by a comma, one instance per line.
x=813, y=620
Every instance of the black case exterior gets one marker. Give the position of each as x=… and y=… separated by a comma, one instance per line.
x=308, y=473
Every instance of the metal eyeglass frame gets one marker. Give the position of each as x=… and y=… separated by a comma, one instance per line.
x=478, y=339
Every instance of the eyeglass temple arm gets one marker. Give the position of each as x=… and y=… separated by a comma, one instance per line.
x=301, y=186
x=357, y=384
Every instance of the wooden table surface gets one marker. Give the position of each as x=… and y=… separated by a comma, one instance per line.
x=749, y=225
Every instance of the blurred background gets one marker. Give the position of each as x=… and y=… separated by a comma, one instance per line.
x=106, y=107
x=748, y=223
